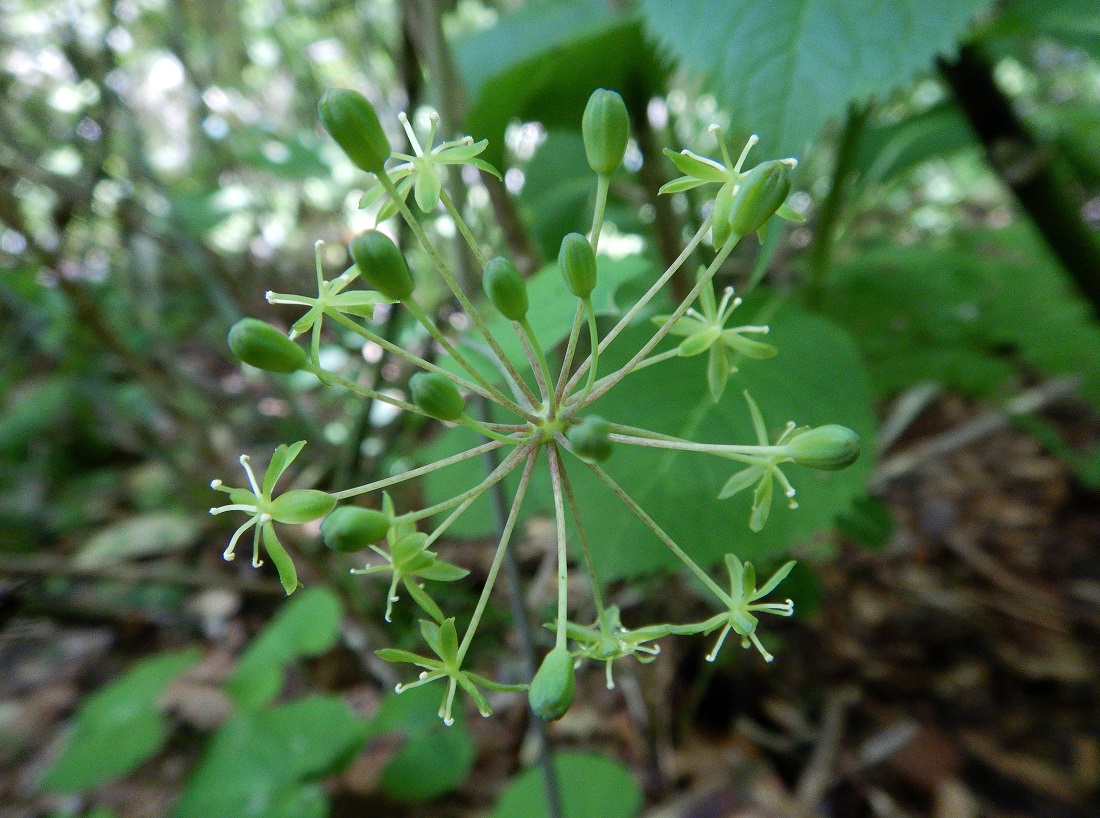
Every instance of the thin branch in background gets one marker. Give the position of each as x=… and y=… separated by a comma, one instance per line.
x=828, y=220
x=1031, y=169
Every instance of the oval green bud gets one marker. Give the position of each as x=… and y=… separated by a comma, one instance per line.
x=591, y=438
x=762, y=190
x=577, y=261
x=351, y=528
x=301, y=506
x=437, y=396
x=506, y=288
x=381, y=264
x=606, y=129
x=828, y=448
x=259, y=344
x=353, y=123
x=551, y=690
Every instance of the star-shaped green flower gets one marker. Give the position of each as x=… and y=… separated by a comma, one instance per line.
x=293, y=507
x=706, y=331
x=420, y=173
x=330, y=299
x=741, y=604
x=607, y=640
x=409, y=560
x=443, y=641
x=702, y=170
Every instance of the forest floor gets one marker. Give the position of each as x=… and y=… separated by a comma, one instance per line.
x=953, y=672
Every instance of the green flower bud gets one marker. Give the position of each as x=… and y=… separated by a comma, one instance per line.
x=259, y=344
x=763, y=189
x=381, y=264
x=551, y=690
x=506, y=288
x=437, y=396
x=606, y=128
x=828, y=448
x=577, y=261
x=301, y=506
x=351, y=528
x=353, y=123
x=590, y=438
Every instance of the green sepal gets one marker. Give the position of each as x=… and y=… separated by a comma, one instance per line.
x=440, y=571
x=351, y=528
x=506, y=288
x=760, y=194
x=280, y=461
x=353, y=123
x=382, y=265
x=437, y=396
x=421, y=598
x=288, y=575
x=259, y=344
x=605, y=127
x=577, y=261
x=301, y=506
x=551, y=691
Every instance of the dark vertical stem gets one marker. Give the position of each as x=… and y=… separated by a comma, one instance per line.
x=821, y=251
x=1028, y=167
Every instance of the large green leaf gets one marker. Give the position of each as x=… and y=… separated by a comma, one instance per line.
x=543, y=61
x=783, y=68
x=306, y=625
x=590, y=785
x=118, y=726
x=434, y=758
x=817, y=378
x=965, y=312
x=264, y=764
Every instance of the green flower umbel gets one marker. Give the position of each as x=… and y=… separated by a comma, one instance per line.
x=742, y=603
x=292, y=507
x=419, y=172
x=706, y=332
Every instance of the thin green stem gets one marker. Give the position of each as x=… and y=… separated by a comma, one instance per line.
x=704, y=281
x=498, y=473
x=416, y=360
x=543, y=366
x=645, y=299
x=602, y=184
x=656, y=529
x=494, y=394
x=533, y=362
x=756, y=452
x=563, y=553
x=449, y=279
x=484, y=429
x=463, y=227
x=332, y=378
x=656, y=359
x=498, y=558
x=594, y=355
x=589, y=565
x=418, y=472
x=570, y=351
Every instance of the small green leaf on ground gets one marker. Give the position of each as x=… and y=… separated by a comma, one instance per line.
x=119, y=726
x=591, y=785
x=306, y=625
x=434, y=758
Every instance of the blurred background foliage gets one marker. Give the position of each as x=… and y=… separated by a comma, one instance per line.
x=161, y=167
